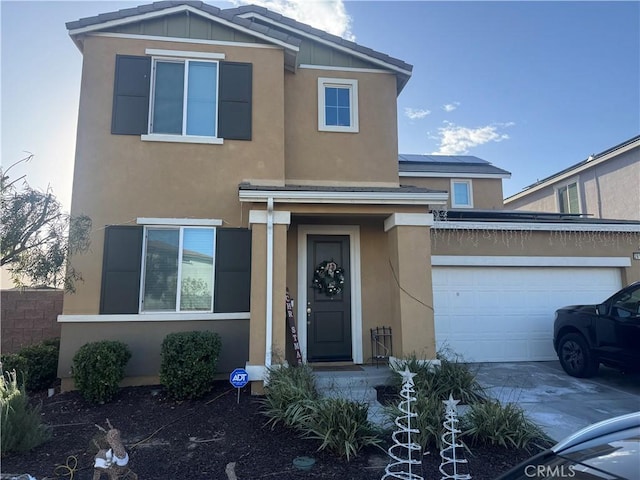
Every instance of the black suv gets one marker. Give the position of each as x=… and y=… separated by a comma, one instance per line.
x=584, y=336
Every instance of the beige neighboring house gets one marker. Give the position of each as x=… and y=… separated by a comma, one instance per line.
x=227, y=155
x=605, y=185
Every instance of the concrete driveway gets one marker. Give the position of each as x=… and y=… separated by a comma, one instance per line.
x=558, y=403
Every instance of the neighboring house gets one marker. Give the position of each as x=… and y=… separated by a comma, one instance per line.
x=605, y=185
x=231, y=154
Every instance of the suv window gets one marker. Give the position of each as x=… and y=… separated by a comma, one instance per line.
x=627, y=304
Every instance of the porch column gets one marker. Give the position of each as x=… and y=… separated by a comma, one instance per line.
x=259, y=325
x=411, y=287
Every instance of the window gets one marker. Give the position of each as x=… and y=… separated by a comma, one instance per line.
x=171, y=267
x=192, y=97
x=337, y=105
x=461, y=194
x=568, y=201
x=184, y=98
x=178, y=269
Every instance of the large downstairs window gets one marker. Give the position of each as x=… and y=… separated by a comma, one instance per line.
x=181, y=268
x=178, y=269
x=184, y=98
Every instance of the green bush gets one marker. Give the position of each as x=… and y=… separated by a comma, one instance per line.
x=189, y=362
x=98, y=369
x=289, y=391
x=451, y=377
x=21, y=427
x=430, y=411
x=341, y=425
x=37, y=364
x=496, y=424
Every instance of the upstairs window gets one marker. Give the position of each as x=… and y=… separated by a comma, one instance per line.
x=461, y=194
x=178, y=96
x=184, y=98
x=337, y=105
x=568, y=201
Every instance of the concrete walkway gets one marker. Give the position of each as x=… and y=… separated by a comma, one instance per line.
x=558, y=403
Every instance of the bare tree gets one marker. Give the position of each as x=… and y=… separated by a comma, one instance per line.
x=37, y=236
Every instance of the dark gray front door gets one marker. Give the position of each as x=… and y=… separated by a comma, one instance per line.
x=328, y=317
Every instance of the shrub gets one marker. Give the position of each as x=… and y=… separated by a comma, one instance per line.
x=288, y=393
x=189, y=362
x=37, y=364
x=341, y=425
x=21, y=427
x=505, y=425
x=451, y=377
x=98, y=369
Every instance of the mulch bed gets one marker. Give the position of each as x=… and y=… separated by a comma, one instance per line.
x=198, y=439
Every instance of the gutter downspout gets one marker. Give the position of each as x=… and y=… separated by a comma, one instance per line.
x=269, y=316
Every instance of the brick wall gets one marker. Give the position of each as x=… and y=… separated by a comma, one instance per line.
x=28, y=317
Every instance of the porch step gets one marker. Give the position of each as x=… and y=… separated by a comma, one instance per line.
x=358, y=386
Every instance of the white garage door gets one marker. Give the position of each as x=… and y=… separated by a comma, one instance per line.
x=496, y=314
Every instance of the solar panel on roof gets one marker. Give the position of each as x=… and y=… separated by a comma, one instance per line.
x=467, y=159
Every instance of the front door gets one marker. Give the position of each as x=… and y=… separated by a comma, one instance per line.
x=328, y=313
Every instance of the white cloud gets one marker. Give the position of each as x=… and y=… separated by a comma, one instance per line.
x=450, y=107
x=416, y=113
x=328, y=15
x=455, y=140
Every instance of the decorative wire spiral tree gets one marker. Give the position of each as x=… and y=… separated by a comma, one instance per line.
x=450, y=462
x=403, y=447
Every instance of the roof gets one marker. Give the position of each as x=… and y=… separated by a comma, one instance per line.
x=404, y=194
x=592, y=160
x=251, y=19
x=410, y=165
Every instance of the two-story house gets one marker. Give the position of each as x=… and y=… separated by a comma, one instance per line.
x=226, y=156
x=605, y=185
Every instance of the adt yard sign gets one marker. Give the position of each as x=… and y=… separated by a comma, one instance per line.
x=239, y=377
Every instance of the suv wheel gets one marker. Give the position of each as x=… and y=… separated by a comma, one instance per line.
x=575, y=356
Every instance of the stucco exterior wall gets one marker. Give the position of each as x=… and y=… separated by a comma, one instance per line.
x=118, y=178
x=336, y=158
x=539, y=244
x=487, y=192
x=145, y=339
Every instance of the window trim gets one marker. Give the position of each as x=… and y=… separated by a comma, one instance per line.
x=182, y=137
x=352, y=85
x=143, y=267
x=566, y=185
x=469, y=185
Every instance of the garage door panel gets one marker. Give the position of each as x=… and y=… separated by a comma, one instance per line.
x=506, y=314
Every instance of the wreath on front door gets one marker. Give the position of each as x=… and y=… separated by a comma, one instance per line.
x=328, y=278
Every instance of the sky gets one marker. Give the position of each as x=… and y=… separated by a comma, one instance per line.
x=532, y=87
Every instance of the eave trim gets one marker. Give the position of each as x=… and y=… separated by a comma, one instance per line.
x=369, y=198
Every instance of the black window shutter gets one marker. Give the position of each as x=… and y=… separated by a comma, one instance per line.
x=234, y=105
x=121, y=265
x=233, y=270
x=131, y=95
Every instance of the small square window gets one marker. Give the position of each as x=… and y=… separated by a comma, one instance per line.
x=337, y=105
x=461, y=194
